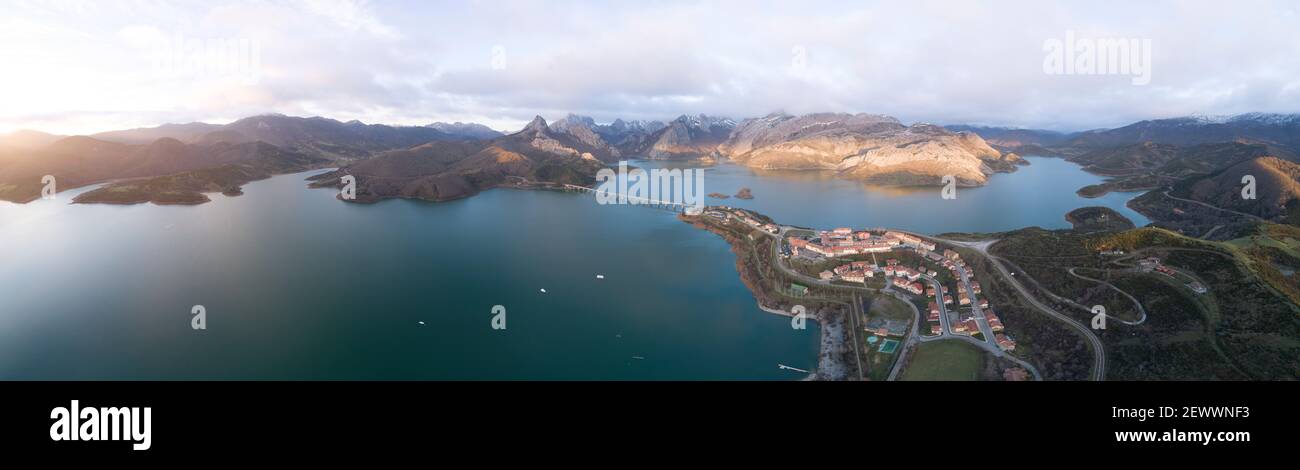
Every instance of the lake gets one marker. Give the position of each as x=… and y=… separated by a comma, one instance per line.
x=298, y=285
x=1039, y=194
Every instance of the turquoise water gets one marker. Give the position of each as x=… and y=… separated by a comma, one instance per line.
x=298, y=285
x=1038, y=194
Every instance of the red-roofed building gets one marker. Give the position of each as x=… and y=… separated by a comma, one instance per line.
x=854, y=276
x=1007, y=344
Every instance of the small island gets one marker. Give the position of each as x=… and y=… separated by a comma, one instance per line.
x=744, y=193
x=1098, y=218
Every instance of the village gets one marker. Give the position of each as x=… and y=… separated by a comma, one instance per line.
x=912, y=266
x=955, y=309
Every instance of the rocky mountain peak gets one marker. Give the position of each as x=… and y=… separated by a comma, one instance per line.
x=537, y=125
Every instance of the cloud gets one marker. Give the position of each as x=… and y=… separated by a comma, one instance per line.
x=412, y=63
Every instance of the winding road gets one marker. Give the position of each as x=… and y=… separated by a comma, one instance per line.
x=1211, y=206
x=913, y=337
x=1098, y=350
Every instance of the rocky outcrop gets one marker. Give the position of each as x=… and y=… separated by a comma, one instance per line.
x=872, y=148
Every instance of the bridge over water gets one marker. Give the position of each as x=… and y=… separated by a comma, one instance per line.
x=633, y=200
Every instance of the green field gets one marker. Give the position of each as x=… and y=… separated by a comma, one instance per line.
x=945, y=360
x=885, y=306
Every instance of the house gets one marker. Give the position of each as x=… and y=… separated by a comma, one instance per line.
x=995, y=323
x=961, y=327
x=826, y=275
x=951, y=255
x=963, y=299
x=1007, y=344
x=913, y=287
x=984, y=303
x=797, y=244
x=934, y=308
x=975, y=287
x=854, y=276
x=936, y=329
x=970, y=326
x=883, y=327
x=947, y=300
x=904, y=237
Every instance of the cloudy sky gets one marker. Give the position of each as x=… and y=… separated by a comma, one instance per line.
x=80, y=67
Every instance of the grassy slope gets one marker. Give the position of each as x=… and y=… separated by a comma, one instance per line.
x=945, y=360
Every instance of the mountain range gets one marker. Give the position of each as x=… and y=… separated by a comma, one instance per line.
x=448, y=160
x=444, y=170
x=1279, y=132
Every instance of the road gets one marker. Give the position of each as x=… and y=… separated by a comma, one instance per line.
x=985, y=329
x=1211, y=206
x=913, y=337
x=1098, y=350
x=1140, y=308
